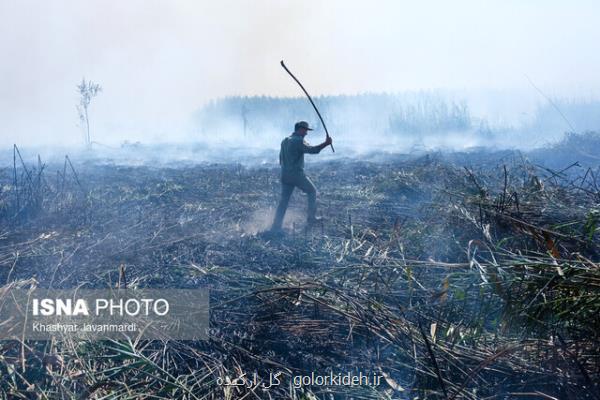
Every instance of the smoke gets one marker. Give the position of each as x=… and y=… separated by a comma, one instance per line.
x=158, y=62
x=261, y=220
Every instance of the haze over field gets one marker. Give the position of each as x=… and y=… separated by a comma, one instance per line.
x=160, y=62
x=449, y=246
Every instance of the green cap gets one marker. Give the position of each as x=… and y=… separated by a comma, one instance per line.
x=302, y=124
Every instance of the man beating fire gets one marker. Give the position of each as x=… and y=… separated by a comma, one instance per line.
x=291, y=159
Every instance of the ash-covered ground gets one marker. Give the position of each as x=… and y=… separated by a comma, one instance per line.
x=462, y=275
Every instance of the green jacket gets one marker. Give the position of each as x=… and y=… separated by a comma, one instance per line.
x=291, y=155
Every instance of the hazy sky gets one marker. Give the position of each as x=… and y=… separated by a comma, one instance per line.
x=158, y=61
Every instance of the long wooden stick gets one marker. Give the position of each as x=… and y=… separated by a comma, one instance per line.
x=311, y=101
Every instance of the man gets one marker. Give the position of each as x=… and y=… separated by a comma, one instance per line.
x=291, y=159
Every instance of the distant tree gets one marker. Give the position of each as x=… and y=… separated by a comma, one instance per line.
x=245, y=117
x=87, y=91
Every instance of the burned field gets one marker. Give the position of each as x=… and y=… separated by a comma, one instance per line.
x=465, y=276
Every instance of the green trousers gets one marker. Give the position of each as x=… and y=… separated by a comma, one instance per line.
x=289, y=181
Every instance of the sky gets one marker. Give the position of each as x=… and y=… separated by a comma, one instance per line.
x=159, y=61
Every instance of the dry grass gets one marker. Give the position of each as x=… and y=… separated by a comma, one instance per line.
x=452, y=282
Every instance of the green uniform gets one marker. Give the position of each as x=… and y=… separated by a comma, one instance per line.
x=291, y=155
x=291, y=159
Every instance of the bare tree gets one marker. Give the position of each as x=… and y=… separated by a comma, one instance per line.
x=87, y=91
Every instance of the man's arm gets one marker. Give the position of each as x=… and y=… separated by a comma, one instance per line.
x=306, y=148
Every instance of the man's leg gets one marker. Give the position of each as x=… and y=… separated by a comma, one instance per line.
x=306, y=185
x=286, y=193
